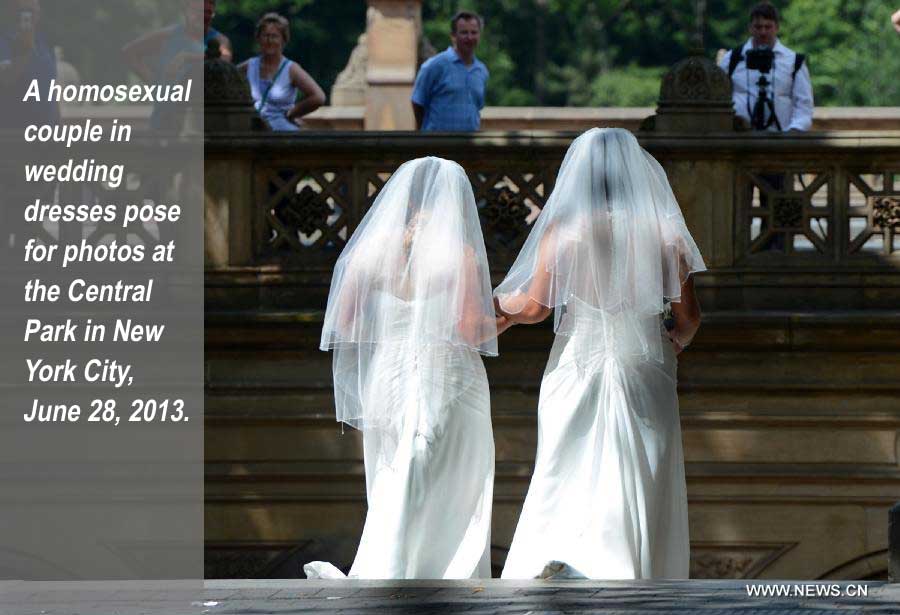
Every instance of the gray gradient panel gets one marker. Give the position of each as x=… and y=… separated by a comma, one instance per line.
x=101, y=407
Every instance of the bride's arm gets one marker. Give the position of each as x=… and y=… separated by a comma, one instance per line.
x=347, y=313
x=687, y=316
x=474, y=326
x=521, y=308
x=364, y=273
x=348, y=300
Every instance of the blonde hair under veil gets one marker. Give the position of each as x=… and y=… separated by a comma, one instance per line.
x=612, y=241
x=413, y=278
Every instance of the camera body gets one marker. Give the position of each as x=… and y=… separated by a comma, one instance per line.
x=760, y=59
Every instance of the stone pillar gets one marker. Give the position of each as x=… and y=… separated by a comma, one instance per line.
x=392, y=33
x=695, y=98
x=228, y=195
x=228, y=105
x=349, y=88
x=894, y=543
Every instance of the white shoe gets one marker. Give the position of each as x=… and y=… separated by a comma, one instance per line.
x=557, y=570
x=322, y=570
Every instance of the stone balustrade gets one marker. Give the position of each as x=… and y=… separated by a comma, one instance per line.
x=582, y=118
x=350, y=118
x=817, y=210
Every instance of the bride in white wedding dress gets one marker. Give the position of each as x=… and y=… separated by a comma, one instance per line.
x=409, y=315
x=609, y=250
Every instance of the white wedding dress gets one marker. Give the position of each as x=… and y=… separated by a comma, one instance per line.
x=608, y=493
x=429, y=480
x=609, y=249
x=409, y=317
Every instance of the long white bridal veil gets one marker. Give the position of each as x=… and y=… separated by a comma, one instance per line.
x=610, y=245
x=413, y=278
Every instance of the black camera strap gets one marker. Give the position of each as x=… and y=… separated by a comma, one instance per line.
x=737, y=55
x=799, y=58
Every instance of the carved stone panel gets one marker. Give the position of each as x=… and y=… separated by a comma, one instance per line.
x=305, y=212
x=873, y=216
x=787, y=214
x=734, y=561
x=886, y=212
x=508, y=203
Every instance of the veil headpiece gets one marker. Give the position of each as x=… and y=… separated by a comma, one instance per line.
x=414, y=275
x=612, y=240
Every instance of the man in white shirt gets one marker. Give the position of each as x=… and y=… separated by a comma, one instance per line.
x=788, y=101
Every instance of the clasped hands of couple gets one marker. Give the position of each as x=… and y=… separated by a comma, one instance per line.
x=504, y=321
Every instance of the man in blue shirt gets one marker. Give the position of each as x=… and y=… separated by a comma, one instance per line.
x=449, y=89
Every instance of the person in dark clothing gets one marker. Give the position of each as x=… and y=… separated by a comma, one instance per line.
x=25, y=55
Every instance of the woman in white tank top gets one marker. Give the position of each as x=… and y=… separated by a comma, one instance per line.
x=275, y=80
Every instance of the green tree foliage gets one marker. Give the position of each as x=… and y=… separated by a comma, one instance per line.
x=613, y=52
x=854, y=54
x=539, y=52
x=632, y=86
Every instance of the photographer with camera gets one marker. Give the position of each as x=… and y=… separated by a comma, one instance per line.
x=771, y=85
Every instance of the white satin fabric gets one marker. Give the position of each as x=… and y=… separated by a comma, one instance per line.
x=409, y=315
x=429, y=478
x=608, y=497
x=430, y=481
x=608, y=494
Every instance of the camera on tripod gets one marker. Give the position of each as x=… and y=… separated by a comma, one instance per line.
x=760, y=59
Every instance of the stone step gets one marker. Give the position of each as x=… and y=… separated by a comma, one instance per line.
x=863, y=440
x=864, y=447
x=724, y=369
x=440, y=597
x=710, y=406
x=272, y=473
x=757, y=330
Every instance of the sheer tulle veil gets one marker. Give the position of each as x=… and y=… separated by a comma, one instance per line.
x=413, y=278
x=614, y=242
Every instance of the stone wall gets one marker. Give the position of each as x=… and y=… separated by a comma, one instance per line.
x=583, y=118
x=788, y=395
x=509, y=119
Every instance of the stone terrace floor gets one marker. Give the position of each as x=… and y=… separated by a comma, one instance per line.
x=260, y=597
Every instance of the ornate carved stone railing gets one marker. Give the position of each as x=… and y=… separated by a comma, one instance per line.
x=815, y=209
x=820, y=214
